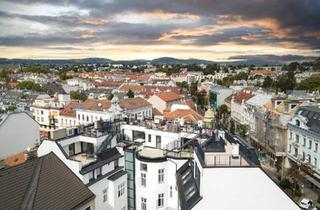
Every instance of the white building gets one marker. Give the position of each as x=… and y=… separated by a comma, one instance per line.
x=93, y=110
x=240, y=113
x=46, y=110
x=162, y=101
x=67, y=116
x=304, y=140
x=166, y=172
x=136, y=108
x=93, y=157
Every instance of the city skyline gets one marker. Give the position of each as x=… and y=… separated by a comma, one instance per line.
x=211, y=30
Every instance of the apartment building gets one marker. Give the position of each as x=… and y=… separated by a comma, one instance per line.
x=304, y=141
x=136, y=108
x=240, y=113
x=162, y=101
x=68, y=116
x=90, y=153
x=195, y=171
x=46, y=110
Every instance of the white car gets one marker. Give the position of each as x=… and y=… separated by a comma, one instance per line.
x=305, y=203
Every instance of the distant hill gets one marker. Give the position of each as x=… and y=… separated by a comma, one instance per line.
x=169, y=60
x=233, y=60
x=54, y=61
x=269, y=59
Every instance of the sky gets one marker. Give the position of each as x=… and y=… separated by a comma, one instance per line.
x=135, y=29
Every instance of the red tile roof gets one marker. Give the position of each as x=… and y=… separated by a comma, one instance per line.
x=69, y=110
x=93, y=104
x=133, y=103
x=169, y=96
x=242, y=96
x=188, y=115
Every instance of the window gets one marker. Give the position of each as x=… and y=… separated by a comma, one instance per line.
x=160, y=175
x=143, y=179
x=309, y=159
x=143, y=203
x=297, y=123
x=303, y=156
x=78, y=116
x=310, y=144
x=170, y=191
x=41, y=112
x=315, y=162
x=290, y=134
x=143, y=167
x=83, y=117
x=121, y=189
x=91, y=176
x=304, y=141
x=99, y=172
x=160, y=200
x=297, y=138
x=116, y=163
x=149, y=138
x=105, y=195
x=316, y=147
x=87, y=118
x=290, y=148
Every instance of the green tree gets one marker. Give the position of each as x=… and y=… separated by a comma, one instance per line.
x=63, y=75
x=286, y=81
x=36, y=69
x=11, y=108
x=110, y=97
x=267, y=82
x=130, y=94
x=193, y=88
x=78, y=96
x=311, y=84
x=29, y=85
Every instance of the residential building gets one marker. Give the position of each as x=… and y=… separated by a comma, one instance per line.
x=163, y=161
x=93, y=110
x=18, y=133
x=43, y=183
x=68, y=116
x=46, y=110
x=217, y=95
x=90, y=152
x=136, y=108
x=240, y=113
x=304, y=141
x=162, y=101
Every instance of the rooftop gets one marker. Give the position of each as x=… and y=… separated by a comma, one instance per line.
x=169, y=96
x=93, y=104
x=44, y=183
x=133, y=103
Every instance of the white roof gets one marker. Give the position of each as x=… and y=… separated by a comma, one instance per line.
x=241, y=189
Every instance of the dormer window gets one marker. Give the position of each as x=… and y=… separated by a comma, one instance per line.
x=297, y=123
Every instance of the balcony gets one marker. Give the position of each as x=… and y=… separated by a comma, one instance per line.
x=84, y=158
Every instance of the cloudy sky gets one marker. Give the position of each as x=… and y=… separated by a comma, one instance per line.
x=136, y=29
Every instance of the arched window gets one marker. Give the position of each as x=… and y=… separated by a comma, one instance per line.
x=297, y=123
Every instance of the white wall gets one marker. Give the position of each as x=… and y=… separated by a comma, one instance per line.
x=48, y=146
x=17, y=132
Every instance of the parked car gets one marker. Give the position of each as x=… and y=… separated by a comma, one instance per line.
x=305, y=203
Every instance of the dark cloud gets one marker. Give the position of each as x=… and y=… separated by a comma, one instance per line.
x=297, y=20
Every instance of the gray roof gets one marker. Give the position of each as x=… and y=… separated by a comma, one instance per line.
x=312, y=113
x=42, y=183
